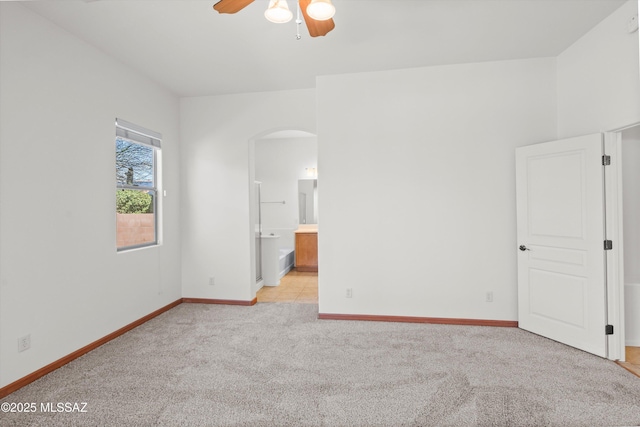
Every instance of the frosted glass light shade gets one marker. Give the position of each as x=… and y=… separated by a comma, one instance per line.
x=278, y=12
x=321, y=10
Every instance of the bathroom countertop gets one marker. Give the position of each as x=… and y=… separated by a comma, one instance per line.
x=313, y=228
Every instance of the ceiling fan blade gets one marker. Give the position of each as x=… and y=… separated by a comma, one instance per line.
x=231, y=6
x=316, y=28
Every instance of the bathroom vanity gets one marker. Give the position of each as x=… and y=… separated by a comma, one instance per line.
x=307, y=248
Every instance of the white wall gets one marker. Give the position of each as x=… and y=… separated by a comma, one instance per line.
x=61, y=278
x=218, y=175
x=631, y=220
x=599, y=90
x=598, y=84
x=279, y=164
x=428, y=154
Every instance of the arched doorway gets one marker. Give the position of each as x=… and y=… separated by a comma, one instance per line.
x=281, y=163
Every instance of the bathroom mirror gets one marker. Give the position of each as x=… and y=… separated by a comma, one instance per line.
x=308, y=201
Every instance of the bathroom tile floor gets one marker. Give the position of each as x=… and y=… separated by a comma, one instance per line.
x=295, y=286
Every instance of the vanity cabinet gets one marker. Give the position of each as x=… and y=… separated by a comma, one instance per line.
x=307, y=251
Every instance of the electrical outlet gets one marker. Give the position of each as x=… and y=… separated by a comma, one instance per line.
x=489, y=296
x=24, y=343
x=349, y=292
x=212, y=281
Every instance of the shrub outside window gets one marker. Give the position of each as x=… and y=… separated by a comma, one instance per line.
x=136, y=186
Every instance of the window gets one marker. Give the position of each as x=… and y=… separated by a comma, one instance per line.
x=137, y=154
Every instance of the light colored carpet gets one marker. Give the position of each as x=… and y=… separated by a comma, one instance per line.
x=275, y=364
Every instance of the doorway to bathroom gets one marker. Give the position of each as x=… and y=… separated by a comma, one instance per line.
x=285, y=204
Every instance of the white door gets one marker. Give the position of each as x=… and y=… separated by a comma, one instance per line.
x=561, y=256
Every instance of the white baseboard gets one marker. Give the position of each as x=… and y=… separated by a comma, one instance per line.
x=285, y=271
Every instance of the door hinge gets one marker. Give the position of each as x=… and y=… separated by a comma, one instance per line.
x=606, y=160
x=608, y=330
x=608, y=245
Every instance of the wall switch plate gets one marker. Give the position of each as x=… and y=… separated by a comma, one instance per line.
x=24, y=343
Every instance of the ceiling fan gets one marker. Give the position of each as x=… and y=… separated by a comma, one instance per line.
x=317, y=13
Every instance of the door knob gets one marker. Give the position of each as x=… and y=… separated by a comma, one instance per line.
x=524, y=248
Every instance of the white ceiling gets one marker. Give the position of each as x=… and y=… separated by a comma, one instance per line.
x=192, y=50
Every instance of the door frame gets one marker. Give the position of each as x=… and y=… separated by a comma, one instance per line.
x=615, y=257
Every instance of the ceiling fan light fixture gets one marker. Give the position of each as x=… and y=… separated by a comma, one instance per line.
x=278, y=12
x=321, y=10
